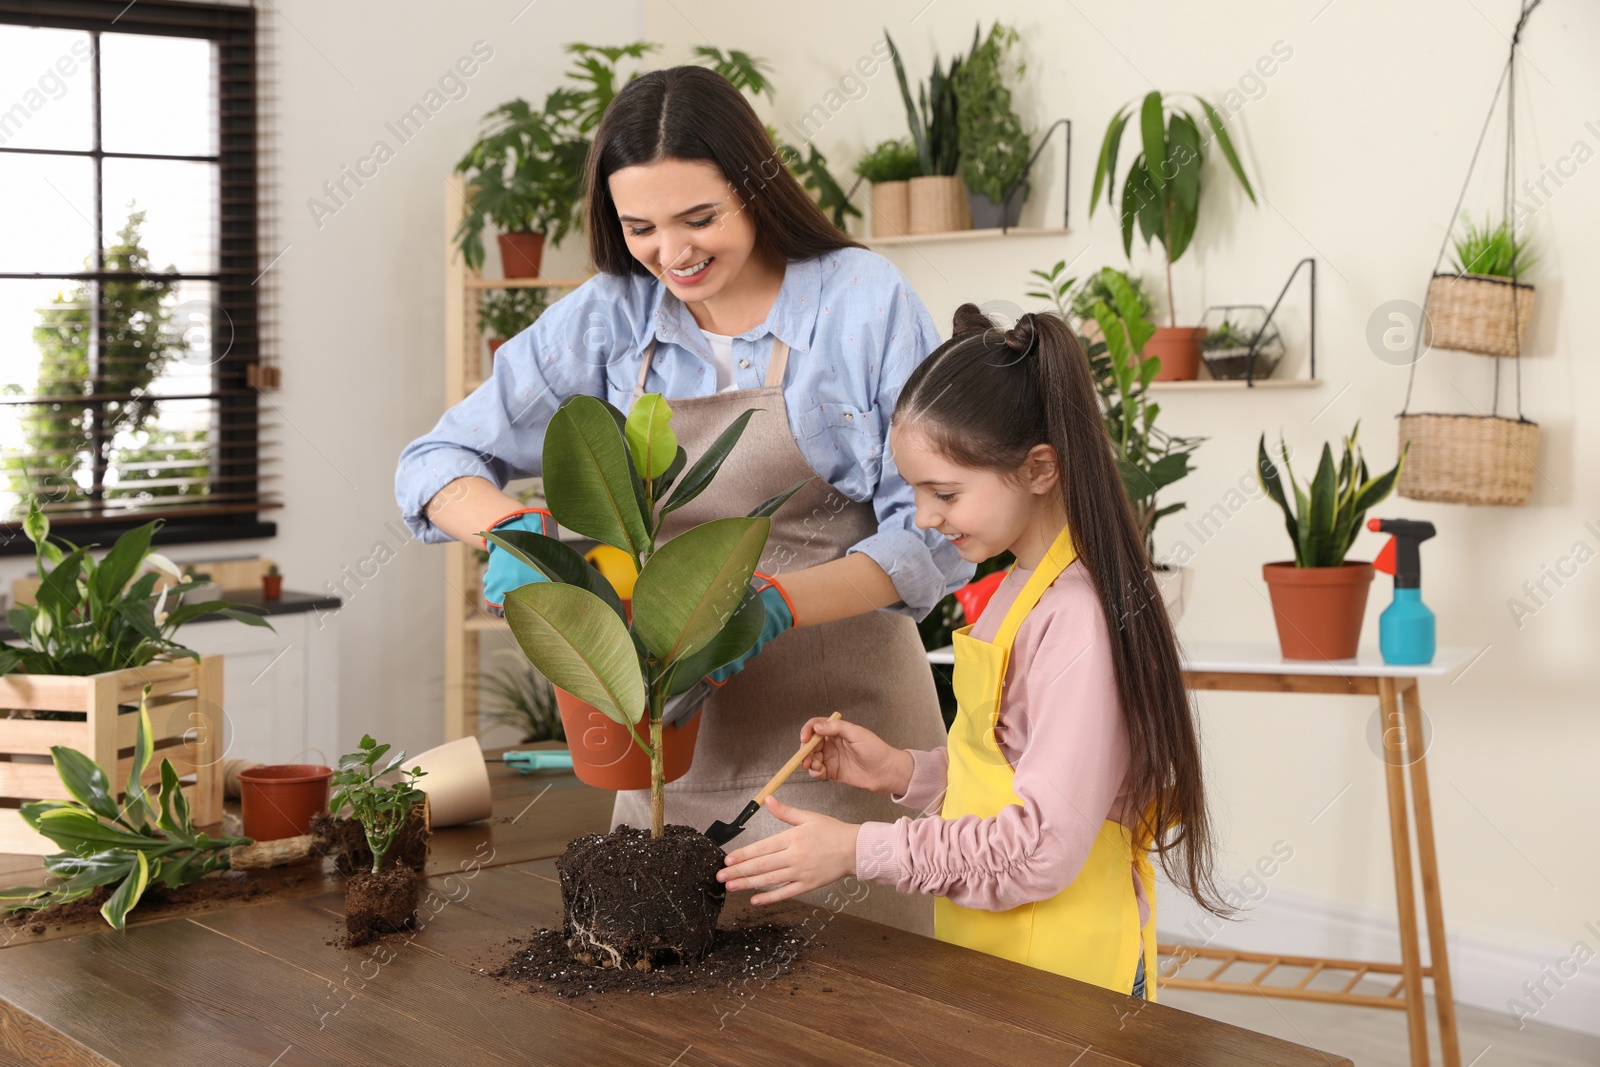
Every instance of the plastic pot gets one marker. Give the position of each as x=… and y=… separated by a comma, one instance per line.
x=1179, y=350
x=604, y=754
x=271, y=586
x=1318, y=609
x=521, y=254
x=280, y=800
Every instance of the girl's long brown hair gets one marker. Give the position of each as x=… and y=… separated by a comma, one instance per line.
x=692, y=113
x=986, y=398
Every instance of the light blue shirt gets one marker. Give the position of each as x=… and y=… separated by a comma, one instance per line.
x=855, y=330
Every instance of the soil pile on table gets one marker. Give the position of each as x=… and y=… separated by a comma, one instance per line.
x=635, y=902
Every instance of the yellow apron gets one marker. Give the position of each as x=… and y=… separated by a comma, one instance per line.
x=1090, y=930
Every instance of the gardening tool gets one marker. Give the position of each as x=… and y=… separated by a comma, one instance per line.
x=542, y=759
x=722, y=832
x=1406, y=627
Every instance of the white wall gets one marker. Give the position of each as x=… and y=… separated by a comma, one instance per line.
x=1358, y=144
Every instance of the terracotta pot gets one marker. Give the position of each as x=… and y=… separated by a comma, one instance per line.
x=521, y=254
x=1318, y=609
x=271, y=586
x=1179, y=350
x=494, y=344
x=280, y=801
x=605, y=755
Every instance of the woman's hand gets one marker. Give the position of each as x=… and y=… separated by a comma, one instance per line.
x=856, y=756
x=815, y=851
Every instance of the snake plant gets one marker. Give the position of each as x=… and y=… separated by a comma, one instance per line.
x=1328, y=513
x=614, y=479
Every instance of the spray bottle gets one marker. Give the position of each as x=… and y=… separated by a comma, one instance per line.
x=1406, y=627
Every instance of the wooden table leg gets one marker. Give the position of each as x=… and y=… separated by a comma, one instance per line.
x=1394, y=754
x=1427, y=862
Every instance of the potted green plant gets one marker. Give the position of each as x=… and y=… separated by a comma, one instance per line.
x=381, y=899
x=521, y=698
x=1484, y=306
x=1319, y=598
x=890, y=166
x=272, y=583
x=1148, y=458
x=1161, y=191
x=1239, y=343
x=141, y=840
x=507, y=312
x=992, y=142
x=615, y=479
x=938, y=196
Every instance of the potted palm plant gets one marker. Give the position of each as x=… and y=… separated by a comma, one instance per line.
x=1319, y=598
x=615, y=479
x=889, y=167
x=1161, y=191
x=938, y=194
x=990, y=136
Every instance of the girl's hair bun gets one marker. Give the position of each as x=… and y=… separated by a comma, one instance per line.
x=1020, y=337
x=968, y=321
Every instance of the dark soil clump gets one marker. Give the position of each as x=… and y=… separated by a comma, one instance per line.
x=743, y=960
x=378, y=904
x=343, y=841
x=632, y=901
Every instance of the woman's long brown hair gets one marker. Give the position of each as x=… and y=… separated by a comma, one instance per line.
x=692, y=113
x=986, y=398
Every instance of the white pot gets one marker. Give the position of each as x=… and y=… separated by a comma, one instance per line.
x=457, y=782
x=1173, y=582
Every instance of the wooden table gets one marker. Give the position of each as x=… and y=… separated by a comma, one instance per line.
x=1260, y=668
x=259, y=984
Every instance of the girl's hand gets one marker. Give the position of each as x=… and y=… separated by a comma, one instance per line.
x=856, y=756
x=815, y=852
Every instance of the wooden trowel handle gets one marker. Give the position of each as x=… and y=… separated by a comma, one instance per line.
x=794, y=761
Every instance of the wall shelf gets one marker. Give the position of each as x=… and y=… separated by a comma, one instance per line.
x=475, y=282
x=964, y=235
x=1208, y=384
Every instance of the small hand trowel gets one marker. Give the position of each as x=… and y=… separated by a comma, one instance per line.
x=722, y=832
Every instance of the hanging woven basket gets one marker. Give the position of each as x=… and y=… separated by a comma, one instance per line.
x=1476, y=313
x=1468, y=459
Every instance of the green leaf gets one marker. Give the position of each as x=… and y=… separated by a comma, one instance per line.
x=1130, y=208
x=36, y=524
x=1219, y=130
x=558, y=562
x=128, y=893
x=693, y=583
x=122, y=562
x=174, y=807
x=58, y=590
x=1186, y=162
x=135, y=802
x=85, y=781
x=1152, y=127
x=659, y=487
x=588, y=475
x=77, y=831
x=1105, y=170
x=582, y=649
x=705, y=468
x=732, y=641
x=650, y=436
x=771, y=505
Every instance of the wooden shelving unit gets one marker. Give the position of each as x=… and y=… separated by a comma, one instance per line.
x=465, y=368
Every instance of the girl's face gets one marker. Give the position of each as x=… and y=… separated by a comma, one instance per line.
x=685, y=223
x=983, y=512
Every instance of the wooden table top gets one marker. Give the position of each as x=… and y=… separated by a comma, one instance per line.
x=260, y=983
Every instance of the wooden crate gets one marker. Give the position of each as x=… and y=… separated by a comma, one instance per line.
x=185, y=716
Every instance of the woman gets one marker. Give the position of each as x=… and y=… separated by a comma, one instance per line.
x=723, y=287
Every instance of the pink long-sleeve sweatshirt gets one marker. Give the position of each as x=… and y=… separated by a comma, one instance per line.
x=1061, y=730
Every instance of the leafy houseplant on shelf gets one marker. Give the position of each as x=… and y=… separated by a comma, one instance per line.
x=890, y=166
x=1483, y=307
x=507, y=312
x=991, y=138
x=616, y=479
x=1318, y=598
x=383, y=899
x=1161, y=192
x=938, y=195
x=147, y=839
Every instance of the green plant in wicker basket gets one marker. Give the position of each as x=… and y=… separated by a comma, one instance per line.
x=147, y=839
x=382, y=810
x=889, y=161
x=1492, y=250
x=91, y=616
x=991, y=139
x=1328, y=513
x=615, y=479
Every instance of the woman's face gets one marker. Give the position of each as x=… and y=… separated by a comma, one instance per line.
x=685, y=223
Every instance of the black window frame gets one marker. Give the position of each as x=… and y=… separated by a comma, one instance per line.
x=236, y=428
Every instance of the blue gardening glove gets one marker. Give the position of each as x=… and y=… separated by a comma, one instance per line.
x=780, y=617
x=505, y=571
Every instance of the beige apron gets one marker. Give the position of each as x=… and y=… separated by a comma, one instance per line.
x=871, y=667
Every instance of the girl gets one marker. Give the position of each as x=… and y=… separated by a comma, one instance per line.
x=724, y=287
x=1073, y=751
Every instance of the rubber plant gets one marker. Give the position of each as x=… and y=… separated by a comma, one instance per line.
x=615, y=479
x=1162, y=187
x=144, y=840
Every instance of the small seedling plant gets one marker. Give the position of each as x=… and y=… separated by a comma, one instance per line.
x=382, y=810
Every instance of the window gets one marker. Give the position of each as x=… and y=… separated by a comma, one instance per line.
x=130, y=341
